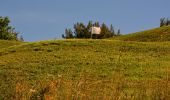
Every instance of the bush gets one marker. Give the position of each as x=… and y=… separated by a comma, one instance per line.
x=7, y=32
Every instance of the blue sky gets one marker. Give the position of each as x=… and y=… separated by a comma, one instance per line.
x=47, y=19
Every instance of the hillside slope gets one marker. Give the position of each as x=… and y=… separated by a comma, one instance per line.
x=85, y=69
x=157, y=34
x=5, y=43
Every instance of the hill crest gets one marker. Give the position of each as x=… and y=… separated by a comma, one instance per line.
x=152, y=35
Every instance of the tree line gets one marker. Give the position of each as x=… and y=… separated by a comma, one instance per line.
x=164, y=22
x=80, y=30
x=8, y=32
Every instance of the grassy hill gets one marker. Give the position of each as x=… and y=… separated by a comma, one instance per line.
x=4, y=43
x=157, y=34
x=85, y=69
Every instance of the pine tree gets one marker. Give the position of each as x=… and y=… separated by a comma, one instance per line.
x=68, y=34
x=105, y=32
x=88, y=29
x=84, y=31
x=118, y=32
x=167, y=22
x=162, y=22
x=112, y=30
x=79, y=30
x=96, y=24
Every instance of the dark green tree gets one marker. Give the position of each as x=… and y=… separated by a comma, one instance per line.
x=7, y=32
x=84, y=31
x=112, y=30
x=105, y=32
x=118, y=32
x=164, y=22
x=167, y=22
x=80, y=30
x=88, y=29
x=161, y=22
x=96, y=24
x=68, y=34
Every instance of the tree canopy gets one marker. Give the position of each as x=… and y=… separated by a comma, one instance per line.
x=7, y=32
x=164, y=22
x=84, y=31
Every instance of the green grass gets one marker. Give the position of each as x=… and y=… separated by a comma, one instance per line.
x=157, y=34
x=4, y=43
x=85, y=69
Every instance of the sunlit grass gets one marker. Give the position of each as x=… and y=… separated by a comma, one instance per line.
x=156, y=35
x=85, y=69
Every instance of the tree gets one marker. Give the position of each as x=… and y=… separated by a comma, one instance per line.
x=167, y=22
x=105, y=32
x=7, y=32
x=21, y=38
x=112, y=30
x=164, y=22
x=96, y=24
x=68, y=34
x=84, y=31
x=118, y=32
x=79, y=30
x=88, y=29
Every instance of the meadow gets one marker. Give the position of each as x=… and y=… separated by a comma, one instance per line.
x=153, y=35
x=85, y=69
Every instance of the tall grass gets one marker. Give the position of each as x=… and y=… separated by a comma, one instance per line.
x=83, y=89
